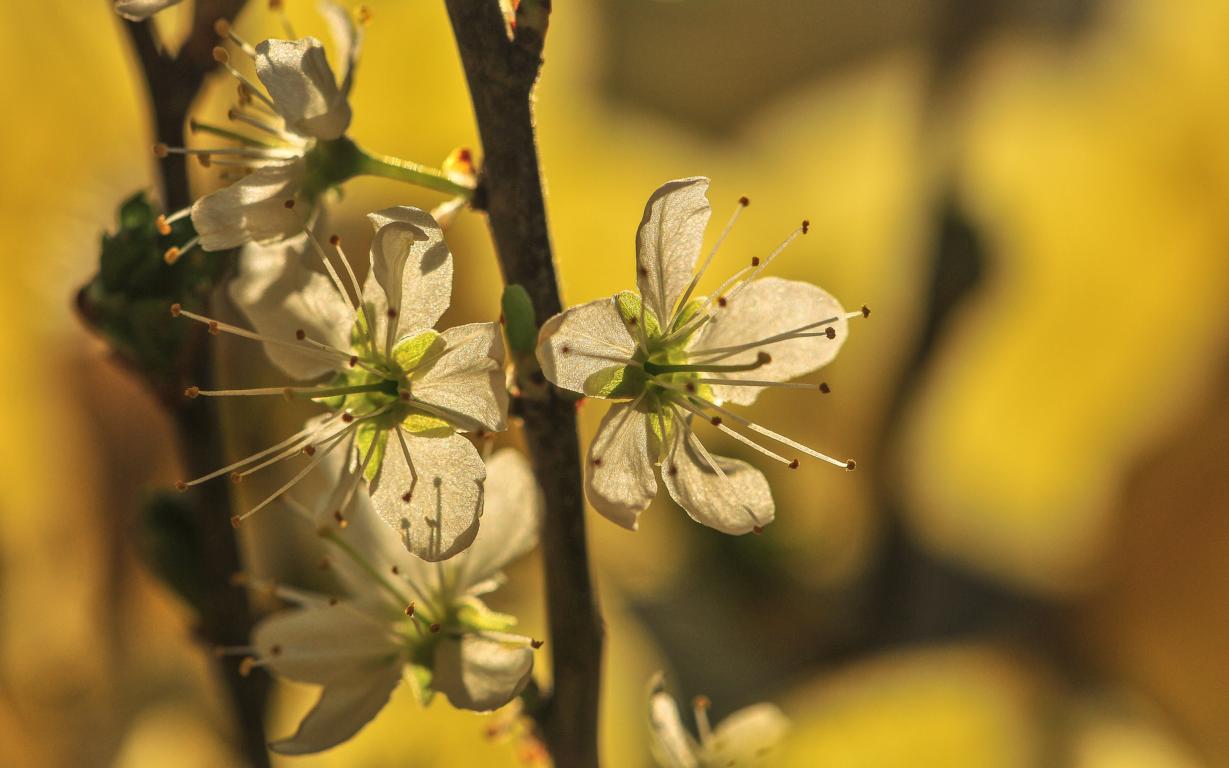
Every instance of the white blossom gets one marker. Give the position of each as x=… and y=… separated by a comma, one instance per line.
x=668, y=357
x=745, y=738
x=401, y=618
x=399, y=391
x=139, y=10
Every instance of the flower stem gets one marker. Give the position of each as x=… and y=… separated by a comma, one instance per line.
x=395, y=168
x=353, y=389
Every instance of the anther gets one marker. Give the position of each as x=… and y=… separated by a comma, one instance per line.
x=342, y=522
x=220, y=55
x=333, y=601
x=721, y=301
x=830, y=332
x=409, y=609
x=353, y=360
x=744, y=201
x=288, y=393
x=763, y=358
x=405, y=396
x=806, y=226
x=171, y=255
x=204, y=160
x=823, y=387
x=236, y=477
x=597, y=461
x=755, y=261
x=221, y=28
x=289, y=203
x=757, y=530
x=850, y=464
x=391, y=313
x=435, y=627
x=690, y=387
x=246, y=666
x=335, y=240
x=161, y=224
x=192, y=392
x=715, y=421
x=793, y=464
x=565, y=349
x=347, y=417
x=235, y=520
x=300, y=334
x=213, y=328
x=536, y=644
x=866, y=311
x=275, y=650
x=702, y=702
x=407, y=496
x=309, y=449
x=161, y=150
x=673, y=470
x=181, y=486
x=364, y=14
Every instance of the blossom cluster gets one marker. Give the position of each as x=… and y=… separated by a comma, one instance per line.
x=417, y=521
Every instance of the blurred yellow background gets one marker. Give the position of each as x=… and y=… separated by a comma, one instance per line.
x=1029, y=566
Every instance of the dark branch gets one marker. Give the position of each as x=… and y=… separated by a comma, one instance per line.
x=224, y=613
x=501, y=74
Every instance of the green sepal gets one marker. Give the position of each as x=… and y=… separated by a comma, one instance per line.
x=661, y=422
x=420, y=677
x=629, y=305
x=520, y=322
x=409, y=353
x=687, y=313
x=367, y=434
x=473, y=614
x=620, y=381
x=425, y=424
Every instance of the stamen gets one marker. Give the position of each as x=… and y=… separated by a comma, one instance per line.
x=258, y=152
x=335, y=241
x=295, y=438
x=163, y=223
x=216, y=326
x=760, y=266
x=850, y=464
x=700, y=705
x=762, y=359
x=239, y=116
x=328, y=266
x=315, y=462
x=223, y=29
x=694, y=441
x=756, y=383
x=174, y=253
x=202, y=127
x=716, y=422
x=252, y=89
x=794, y=333
x=743, y=202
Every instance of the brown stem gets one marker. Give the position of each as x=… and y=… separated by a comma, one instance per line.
x=224, y=612
x=501, y=74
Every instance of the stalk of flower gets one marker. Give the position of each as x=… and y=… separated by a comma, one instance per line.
x=745, y=738
x=401, y=615
x=398, y=391
x=669, y=357
x=289, y=143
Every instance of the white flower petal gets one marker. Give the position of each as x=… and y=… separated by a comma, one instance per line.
x=279, y=296
x=620, y=481
x=443, y=488
x=411, y=271
x=467, y=380
x=347, y=39
x=511, y=516
x=668, y=242
x=478, y=673
x=139, y=10
x=581, y=346
x=672, y=745
x=253, y=209
x=302, y=87
x=735, y=501
x=747, y=736
x=326, y=643
x=343, y=709
x=767, y=308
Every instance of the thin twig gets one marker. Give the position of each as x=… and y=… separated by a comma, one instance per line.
x=501, y=73
x=225, y=615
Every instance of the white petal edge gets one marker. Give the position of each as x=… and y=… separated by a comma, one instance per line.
x=672, y=745
x=304, y=90
x=766, y=308
x=139, y=10
x=620, y=480
x=253, y=209
x=467, y=380
x=480, y=674
x=668, y=242
x=445, y=488
x=279, y=295
x=411, y=271
x=342, y=710
x=735, y=501
x=323, y=644
x=582, y=343
x=511, y=518
x=747, y=736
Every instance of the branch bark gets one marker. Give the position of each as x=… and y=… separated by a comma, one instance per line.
x=501, y=73
x=225, y=617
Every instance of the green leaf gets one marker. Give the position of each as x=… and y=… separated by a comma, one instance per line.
x=520, y=323
x=368, y=434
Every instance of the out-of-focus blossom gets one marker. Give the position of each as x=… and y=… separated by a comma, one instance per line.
x=745, y=738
